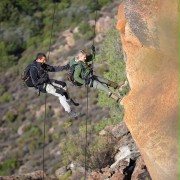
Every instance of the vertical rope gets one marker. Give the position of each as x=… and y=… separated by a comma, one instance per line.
x=45, y=113
x=87, y=105
x=44, y=137
x=86, y=143
x=94, y=34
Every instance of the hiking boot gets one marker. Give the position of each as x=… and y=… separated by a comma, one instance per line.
x=115, y=97
x=112, y=84
x=72, y=102
x=116, y=85
x=73, y=114
x=124, y=84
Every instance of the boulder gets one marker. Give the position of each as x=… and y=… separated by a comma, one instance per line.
x=150, y=38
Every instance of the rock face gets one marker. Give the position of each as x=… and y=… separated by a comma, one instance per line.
x=149, y=34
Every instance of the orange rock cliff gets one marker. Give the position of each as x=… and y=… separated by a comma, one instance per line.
x=149, y=32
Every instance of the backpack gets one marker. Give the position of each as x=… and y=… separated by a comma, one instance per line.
x=25, y=76
x=70, y=76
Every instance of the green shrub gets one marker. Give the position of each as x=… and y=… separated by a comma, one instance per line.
x=76, y=36
x=65, y=176
x=86, y=30
x=101, y=152
x=6, y=97
x=104, y=2
x=84, y=27
x=2, y=89
x=103, y=123
x=11, y=116
x=2, y=135
x=32, y=131
x=32, y=137
x=7, y=167
x=72, y=150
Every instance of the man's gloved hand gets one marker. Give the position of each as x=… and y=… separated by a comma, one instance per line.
x=67, y=67
x=93, y=49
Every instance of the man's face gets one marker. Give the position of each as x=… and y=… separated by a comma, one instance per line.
x=82, y=57
x=42, y=60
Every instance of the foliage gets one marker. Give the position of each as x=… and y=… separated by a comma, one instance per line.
x=72, y=149
x=86, y=30
x=8, y=166
x=2, y=89
x=11, y=116
x=26, y=25
x=32, y=138
x=100, y=152
x=111, y=54
x=103, y=123
x=6, y=97
x=65, y=176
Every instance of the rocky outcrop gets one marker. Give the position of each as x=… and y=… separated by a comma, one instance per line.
x=128, y=163
x=149, y=34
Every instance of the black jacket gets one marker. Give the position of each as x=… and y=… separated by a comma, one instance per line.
x=39, y=74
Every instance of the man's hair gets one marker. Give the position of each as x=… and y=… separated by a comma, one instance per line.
x=81, y=52
x=40, y=55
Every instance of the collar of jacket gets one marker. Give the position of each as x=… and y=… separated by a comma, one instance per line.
x=76, y=60
x=38, y=64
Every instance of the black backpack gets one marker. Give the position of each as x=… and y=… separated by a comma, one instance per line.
x=25, y=76
x=70, y=76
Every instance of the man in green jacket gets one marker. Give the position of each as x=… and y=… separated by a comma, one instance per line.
x=82, y=74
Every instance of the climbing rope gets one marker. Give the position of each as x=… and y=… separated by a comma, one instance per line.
x=87, y=105
x=45, y=111
x=94, y=34
x=86, y=142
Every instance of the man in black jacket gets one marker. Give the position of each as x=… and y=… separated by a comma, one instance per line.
x=40, y=80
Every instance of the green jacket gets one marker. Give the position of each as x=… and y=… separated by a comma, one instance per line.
x=82, y=69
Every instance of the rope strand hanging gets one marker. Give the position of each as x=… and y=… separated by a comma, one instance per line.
x=94, y=35
x=87, y=106
x=45, y=111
